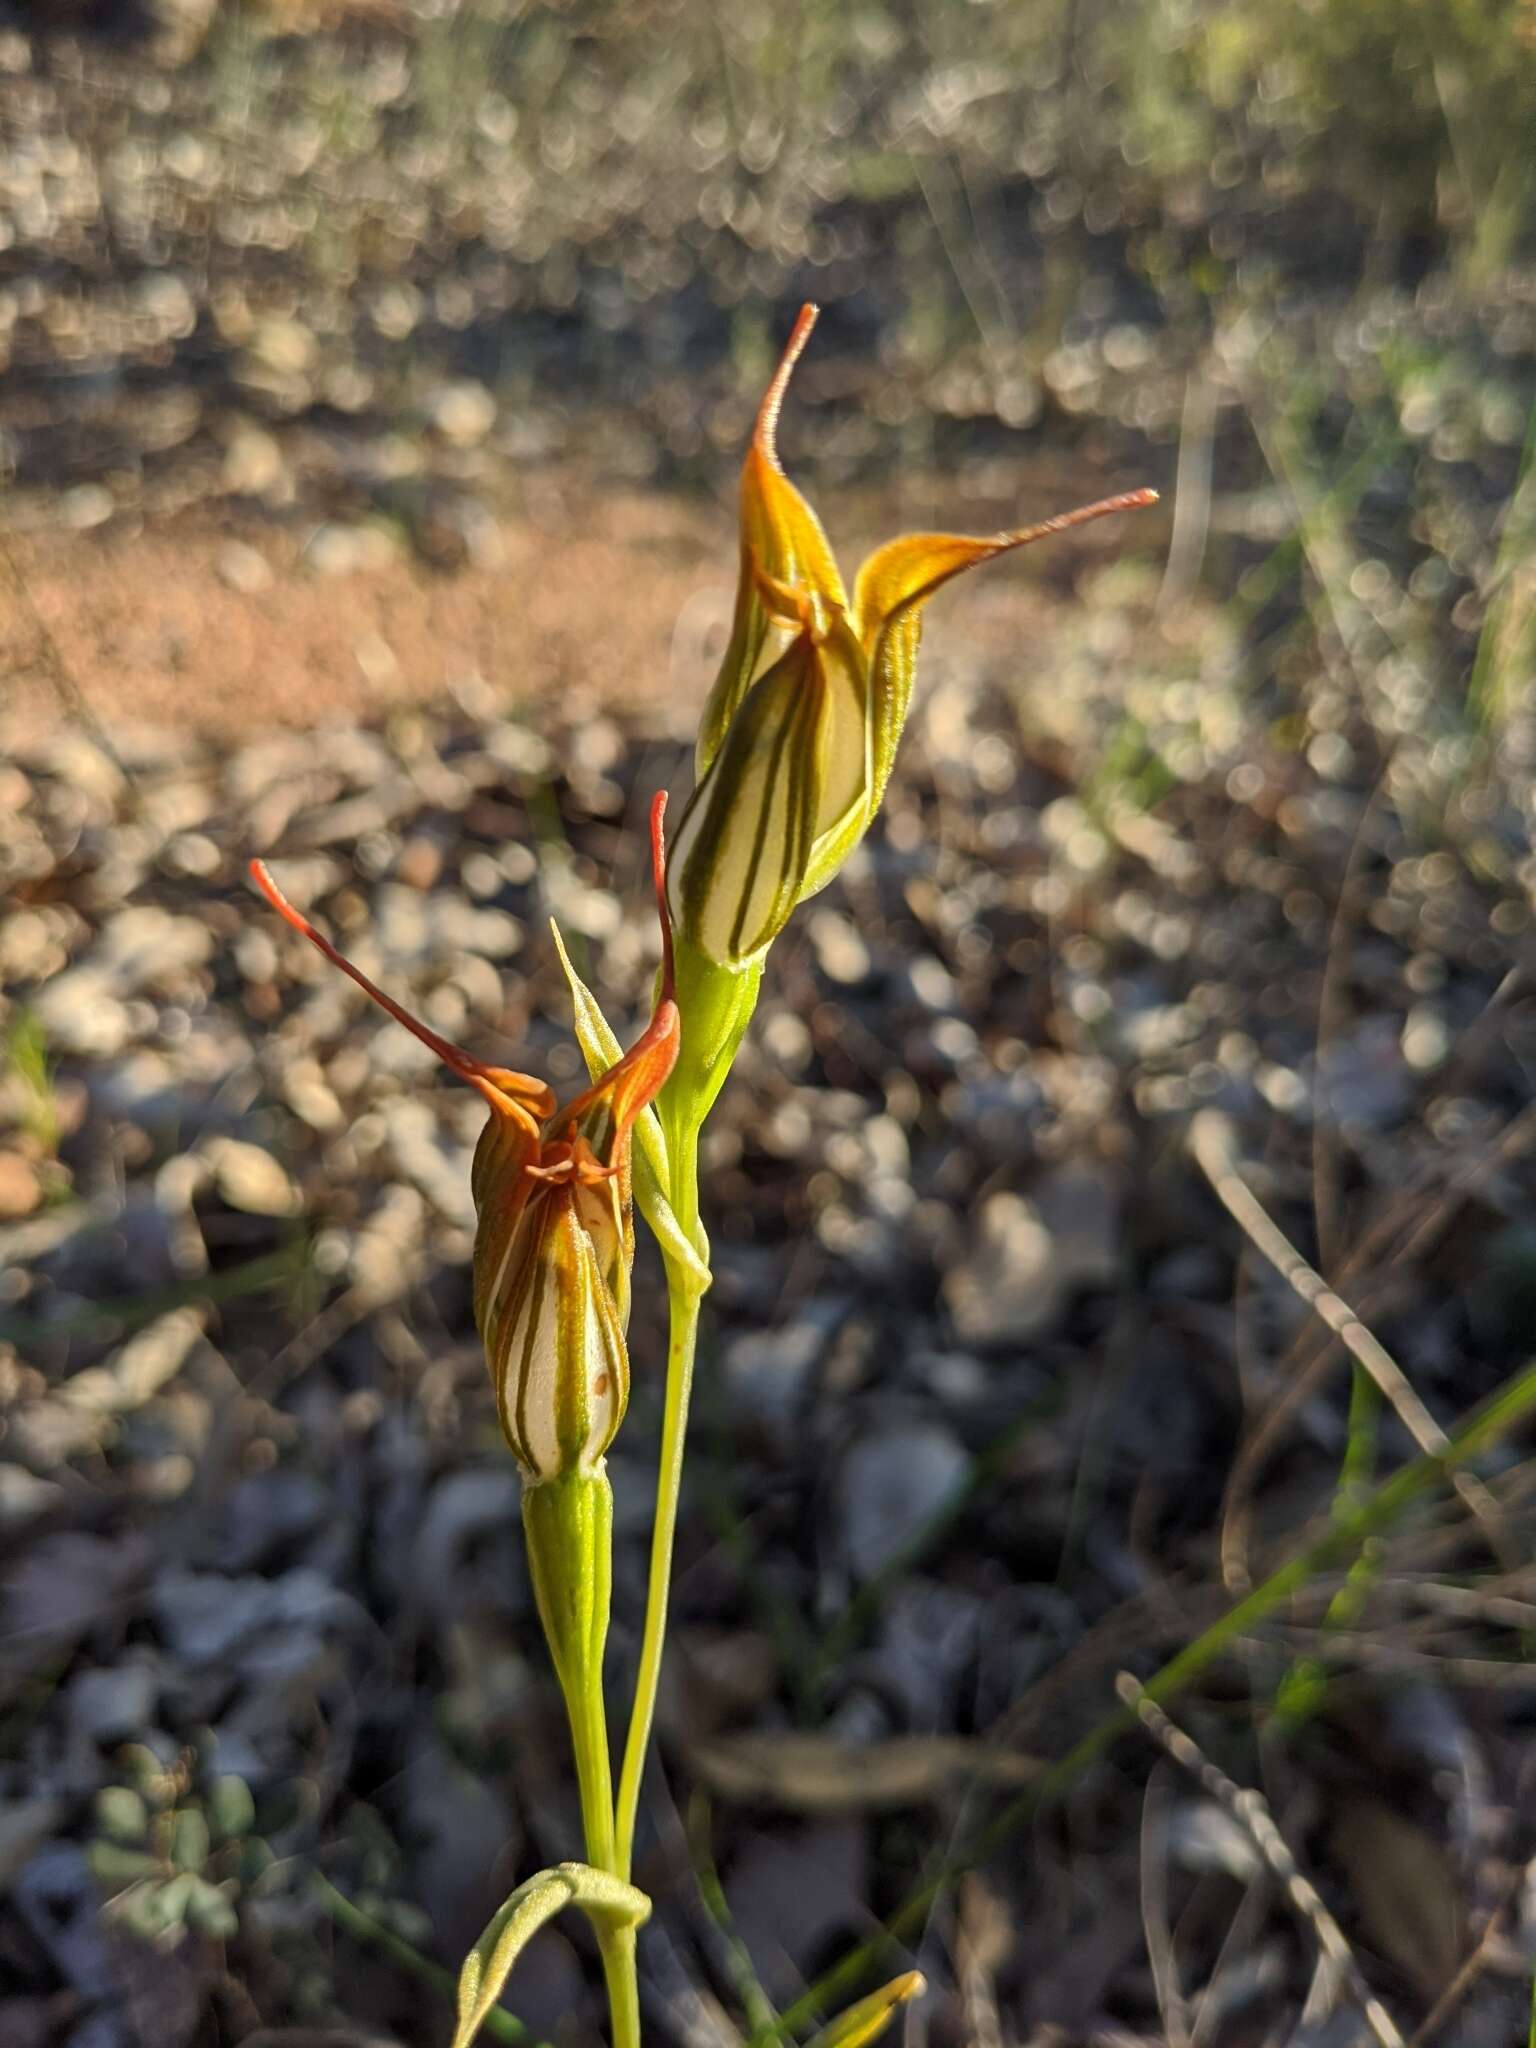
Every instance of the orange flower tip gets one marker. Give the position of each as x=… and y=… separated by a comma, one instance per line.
x=764, y=436
x=659, y=876
x=1123, y=501
x=261, y=875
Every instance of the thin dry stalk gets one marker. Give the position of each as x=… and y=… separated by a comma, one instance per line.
x=1156, y=1929
x=1252, y=1813
x=1477, y=1961
x=1497, y=1610
x=1474, y=1674
x=983, y=1938
x=1192, y=488
x=1309, y=1360
x=1210, y=1144
x=1236, y=1942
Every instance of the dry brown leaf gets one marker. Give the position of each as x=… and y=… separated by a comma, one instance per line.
x=1404, y=1888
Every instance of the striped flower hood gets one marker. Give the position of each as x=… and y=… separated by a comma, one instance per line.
x=801, y=728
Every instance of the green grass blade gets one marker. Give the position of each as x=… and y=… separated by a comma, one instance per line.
x=1340, y=1541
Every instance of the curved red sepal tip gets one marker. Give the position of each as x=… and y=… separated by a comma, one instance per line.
x=763, y=436
x=659, y=876
x=523, y=1095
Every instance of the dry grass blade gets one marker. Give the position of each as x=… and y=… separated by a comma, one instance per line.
x=814, y=1773
x=1385, y=1241
x=1156, y=1926
x=1364, y=1653
x=1250, y=1810
x=1478, y=1958
x=984, y=1937
x=1210, y=1145
x=1327, y=1202
x=1192, y=487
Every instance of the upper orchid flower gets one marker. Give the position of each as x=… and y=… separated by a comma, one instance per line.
x=801, y=728
x=554, y=1238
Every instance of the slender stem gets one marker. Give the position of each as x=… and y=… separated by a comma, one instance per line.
x=617, y=1949
x=683, y=1306
x=594, y=1778
x=594, y=1775
x=568, y=1523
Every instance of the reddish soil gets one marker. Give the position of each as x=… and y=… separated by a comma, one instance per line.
x=147, y=626
x=622, y=593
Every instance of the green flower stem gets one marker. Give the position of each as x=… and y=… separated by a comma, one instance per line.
x=617, y=1948
x=683, y=1297
x=609, y=1907
x=568, y=1523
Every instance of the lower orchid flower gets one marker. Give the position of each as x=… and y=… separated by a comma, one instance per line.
x=554, y=1239
x=554, y=1246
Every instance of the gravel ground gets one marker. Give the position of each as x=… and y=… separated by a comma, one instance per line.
x=981, y=1365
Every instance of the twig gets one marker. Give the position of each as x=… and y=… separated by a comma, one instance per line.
x=1312, y=1362
x=1172, y=2008
x=1471, y=1969
x=1252, y=1813
x=1210, y=1145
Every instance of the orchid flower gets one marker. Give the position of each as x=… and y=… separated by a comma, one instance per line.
x=554, y=1239
x=801, y=728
